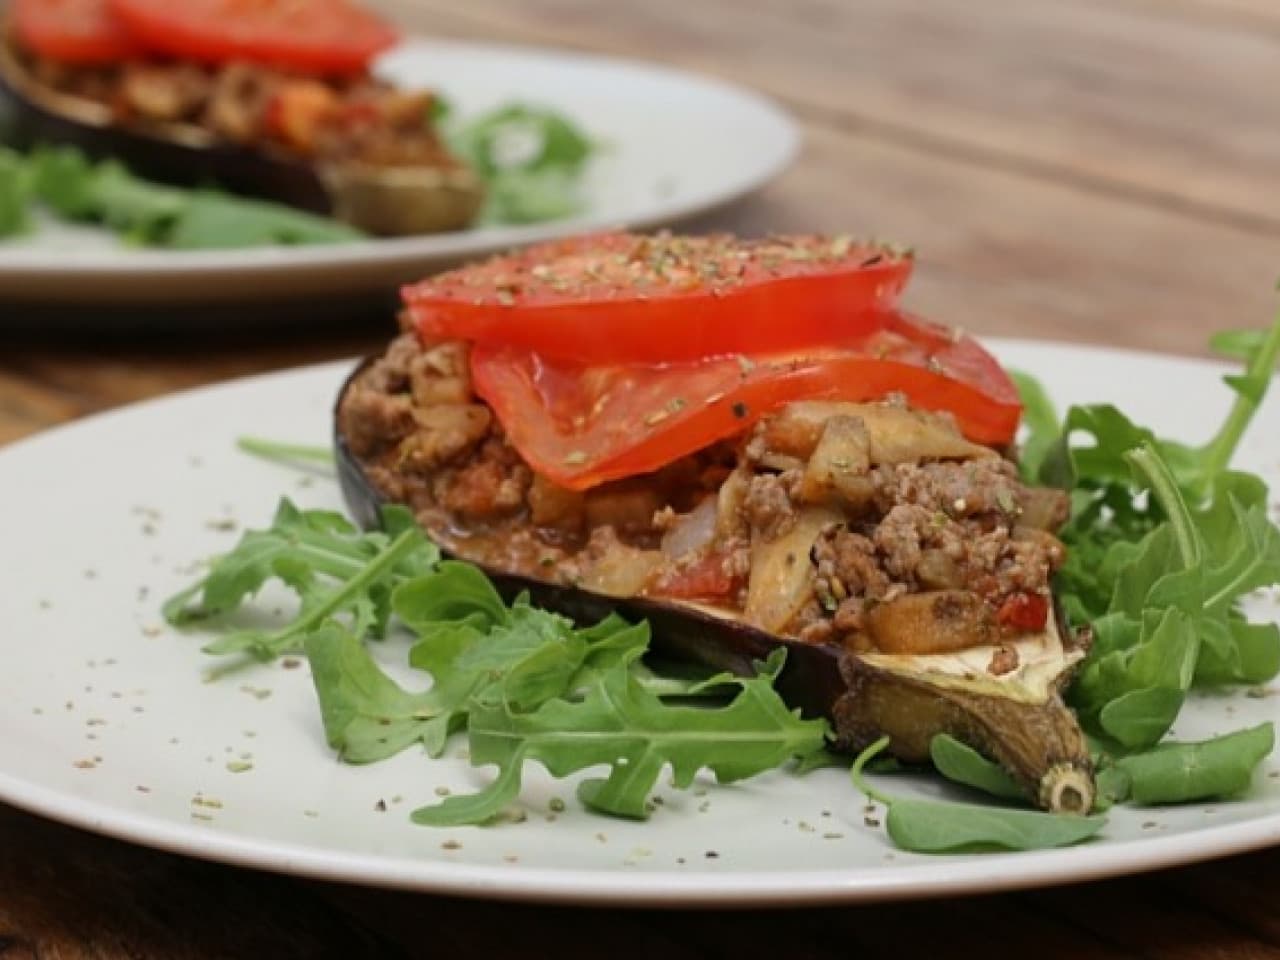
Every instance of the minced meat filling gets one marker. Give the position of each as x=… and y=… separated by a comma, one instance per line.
x=356, y=119
x=761, y=527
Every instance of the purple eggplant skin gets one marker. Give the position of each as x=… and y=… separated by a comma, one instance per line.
x=1040, y=745
x=238, y=169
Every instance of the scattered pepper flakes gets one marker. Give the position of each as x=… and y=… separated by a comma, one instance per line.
x=141, y=789
x=871, y=821
x=712, y=855
x=739, y=409
x=211, y=803
x=311, y=813
x=197, y=815
x=602, y=838
x=84, y=764
x=441, y=791
x=290, y=663
x=510, y=858
x=556, y=805
x=833, y=836
x=451, y=845
x=380, y=806
x=258, y=693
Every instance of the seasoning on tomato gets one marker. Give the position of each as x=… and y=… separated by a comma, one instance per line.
x=71, y=31
x=316, y=36
x=625, y=298
x=581, y=425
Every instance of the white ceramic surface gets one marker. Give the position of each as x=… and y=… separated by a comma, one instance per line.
x=109, y=724
x=674, y=144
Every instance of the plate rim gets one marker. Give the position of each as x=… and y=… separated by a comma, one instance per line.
x=667, y=887
x=19, y=263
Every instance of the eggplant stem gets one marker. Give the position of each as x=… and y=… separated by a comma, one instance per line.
x=1066, y=788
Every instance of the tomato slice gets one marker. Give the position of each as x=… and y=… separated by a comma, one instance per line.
x=625, y=298
x=310, y=36
x=1023, y=612
x=72, y=31
x=583, y=425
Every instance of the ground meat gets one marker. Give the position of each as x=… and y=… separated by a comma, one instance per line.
x=373, y=422
x=936, y=525
x=441, y=374
x=443, y=434
x=165, y=92
x=767, y=507
x=1003, y=660
x=898, y=537
x=850, y=566
x=390, y=372
x=958, y=489
x=491, y=486
x=337, y=119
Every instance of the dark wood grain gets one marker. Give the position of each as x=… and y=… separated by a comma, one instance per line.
x=1104, y=171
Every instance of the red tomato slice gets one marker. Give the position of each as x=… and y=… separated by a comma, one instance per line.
x=311, y=36
x=624, y=298
x=1023, y=612
x=71, y=31
x=582, y=425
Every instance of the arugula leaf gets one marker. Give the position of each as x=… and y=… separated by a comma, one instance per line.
x=151, y=214
x=620, y=724
x=1040, y=419
x=331, y=566
x=960, y=762
x=925, y=826
x=532, y=160
x=366, y=716
x=210, y=220
x=15, y=194
x=1182, y=772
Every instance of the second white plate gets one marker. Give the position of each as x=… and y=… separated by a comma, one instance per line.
x=673, y=144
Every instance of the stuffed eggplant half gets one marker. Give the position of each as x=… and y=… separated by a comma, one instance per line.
x=274, y=100
x=750, y=445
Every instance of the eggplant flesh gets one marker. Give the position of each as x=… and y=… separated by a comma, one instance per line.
x=385, y=201
x=1018, y=719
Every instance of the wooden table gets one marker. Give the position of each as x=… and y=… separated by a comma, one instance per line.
x=1104, y=170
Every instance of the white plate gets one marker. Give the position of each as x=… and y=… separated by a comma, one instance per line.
x=675, y=144
x=108, y=725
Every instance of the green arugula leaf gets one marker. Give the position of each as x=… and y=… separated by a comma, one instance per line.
x=961, y=763
x=151, y=214
x=1183, y=772
x=1040, y=420
x=366, y=716
x=924, y=826
x=15, y=194
x=531, y=159
x=620, y=724
x=332, y=567
x=208, y=220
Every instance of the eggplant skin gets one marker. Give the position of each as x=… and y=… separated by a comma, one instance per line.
x=1040, y=744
